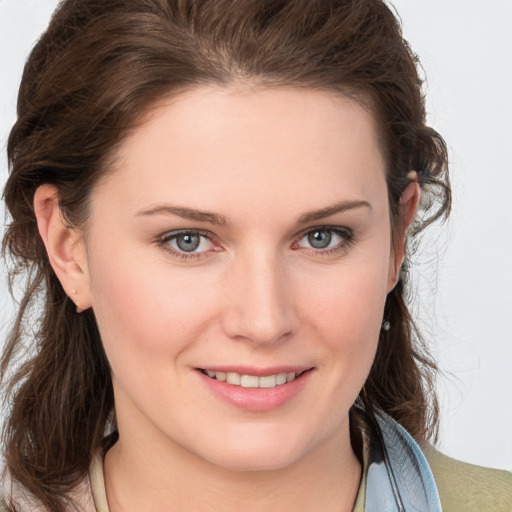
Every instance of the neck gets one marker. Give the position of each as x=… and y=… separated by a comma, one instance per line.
x=327, y=478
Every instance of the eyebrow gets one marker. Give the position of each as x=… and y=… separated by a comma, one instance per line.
x=186, y=213
x=220, y=220
x=331, y=210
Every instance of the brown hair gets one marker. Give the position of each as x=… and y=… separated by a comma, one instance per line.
x=102, y=64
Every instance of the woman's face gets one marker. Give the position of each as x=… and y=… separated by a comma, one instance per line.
x=243, y=235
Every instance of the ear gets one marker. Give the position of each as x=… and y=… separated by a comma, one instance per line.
x=64, y=245
x=408, y=206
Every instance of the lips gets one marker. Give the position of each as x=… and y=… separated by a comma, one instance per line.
x=253, y=381
x=256, y=390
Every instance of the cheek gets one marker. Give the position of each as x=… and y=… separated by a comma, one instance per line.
x=349, y=303
x=346, y=317
x=146, y=311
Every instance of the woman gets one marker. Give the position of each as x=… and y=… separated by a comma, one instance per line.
x=213, y=200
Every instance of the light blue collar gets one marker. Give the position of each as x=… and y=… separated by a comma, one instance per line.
x=399, y=478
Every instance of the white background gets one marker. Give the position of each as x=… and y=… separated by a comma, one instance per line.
x=463, y=276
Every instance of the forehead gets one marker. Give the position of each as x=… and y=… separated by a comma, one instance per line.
x=215, y=144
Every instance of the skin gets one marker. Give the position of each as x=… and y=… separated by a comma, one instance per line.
x=256, y=293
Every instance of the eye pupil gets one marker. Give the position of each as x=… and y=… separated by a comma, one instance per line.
x=188, y=242
x=320, y=239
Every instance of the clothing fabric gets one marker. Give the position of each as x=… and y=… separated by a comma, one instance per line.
x=423, y=473
x=465, y=487
x=398, y=476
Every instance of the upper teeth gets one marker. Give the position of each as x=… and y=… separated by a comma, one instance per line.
x=253, y=381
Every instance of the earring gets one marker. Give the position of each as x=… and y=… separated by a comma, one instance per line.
x=78, y=308
x=386, y=325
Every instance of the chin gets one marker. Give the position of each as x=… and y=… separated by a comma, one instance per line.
x=253, y=452
x=255, y=461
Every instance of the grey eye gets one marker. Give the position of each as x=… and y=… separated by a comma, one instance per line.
x=187, y=242
x=320, y=239
x=190, y=243
x=326, y=239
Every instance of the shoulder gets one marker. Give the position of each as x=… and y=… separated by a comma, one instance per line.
x=466, y=487
x=14, y=497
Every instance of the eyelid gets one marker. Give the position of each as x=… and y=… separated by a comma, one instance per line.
x=163, y=241
x=322, y=227
x=175, y=232
x=346, y=233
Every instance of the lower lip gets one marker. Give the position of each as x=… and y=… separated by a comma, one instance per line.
x=257, y=399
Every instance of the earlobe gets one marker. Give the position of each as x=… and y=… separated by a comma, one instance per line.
x=64, y=246
x=409, y=202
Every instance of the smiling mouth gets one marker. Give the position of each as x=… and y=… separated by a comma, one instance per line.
x=253, y=381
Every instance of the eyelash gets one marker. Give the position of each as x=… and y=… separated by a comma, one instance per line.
x=165, y=240
x=346, y=234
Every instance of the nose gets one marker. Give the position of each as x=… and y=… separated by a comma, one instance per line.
x=260, y=307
